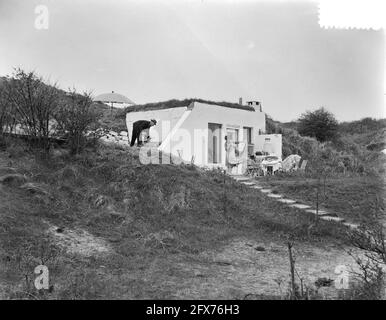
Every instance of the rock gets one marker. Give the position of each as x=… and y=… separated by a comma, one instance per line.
x=123, y=133
x=351, y=225
x=35, y=188
x=59, y=230
x=13, y=179
x=300, y=206
x=259, y=248
x=286, y=201
x=320, y=212
x=329, y=218
x=274, y=195
x=248, y=183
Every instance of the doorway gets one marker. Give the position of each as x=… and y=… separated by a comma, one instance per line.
x=247, y=134
x=214, y=143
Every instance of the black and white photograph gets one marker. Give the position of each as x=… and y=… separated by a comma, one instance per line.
x=195, y=156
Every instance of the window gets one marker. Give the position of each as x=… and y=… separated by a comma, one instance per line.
x=248, y=135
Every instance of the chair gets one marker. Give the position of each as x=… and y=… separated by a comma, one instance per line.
x=253, y=168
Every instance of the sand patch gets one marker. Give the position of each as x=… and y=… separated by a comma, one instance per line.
x=79, y=241
x=245, y=267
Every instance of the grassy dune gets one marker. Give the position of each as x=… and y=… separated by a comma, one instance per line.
x=108, y=227
x=355, y=198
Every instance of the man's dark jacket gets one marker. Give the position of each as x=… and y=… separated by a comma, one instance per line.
x=138, y=126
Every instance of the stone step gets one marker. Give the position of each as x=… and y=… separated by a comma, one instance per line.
x=329, y=218
x=321, y=212
x=324, y=215
x=248, y=183
x=274, y=195
x=287, y=201
x=300, y=206
x=351, y=225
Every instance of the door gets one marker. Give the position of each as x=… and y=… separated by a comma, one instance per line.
x=214, y=143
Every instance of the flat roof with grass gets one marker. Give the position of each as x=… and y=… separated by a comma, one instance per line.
x=174, y=103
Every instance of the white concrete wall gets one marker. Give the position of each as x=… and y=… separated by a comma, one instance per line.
x=191, y=140
x=166, y=120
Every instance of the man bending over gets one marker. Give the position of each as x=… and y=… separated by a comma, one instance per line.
x=138, y=127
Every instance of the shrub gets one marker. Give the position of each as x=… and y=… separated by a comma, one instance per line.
x=319, y=124
x=31, y=105
x=5, y=116
x=370, y=239
x=75, y=116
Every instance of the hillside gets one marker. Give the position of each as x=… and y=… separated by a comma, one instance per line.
x=109, y=227
x=368, y=133
x=110, y=118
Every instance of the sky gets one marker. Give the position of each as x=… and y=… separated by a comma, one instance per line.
x=152, y=50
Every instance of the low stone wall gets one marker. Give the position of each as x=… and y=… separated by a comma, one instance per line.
x=112, y=137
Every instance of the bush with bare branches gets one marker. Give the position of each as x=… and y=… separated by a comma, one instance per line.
x=31, y=104
x=370, y=239
x=75, y=116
